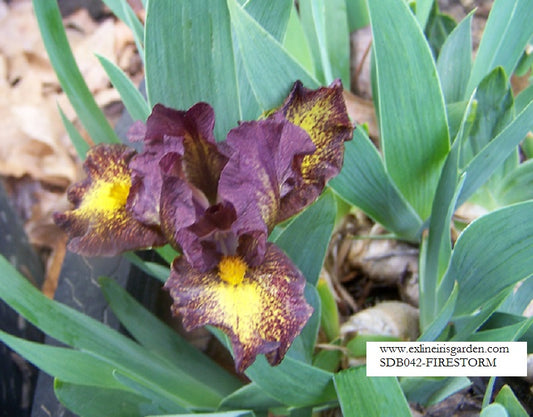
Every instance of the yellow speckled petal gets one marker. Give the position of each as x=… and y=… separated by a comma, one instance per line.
x=322, y=114
x=100, y=225
x=262, y=308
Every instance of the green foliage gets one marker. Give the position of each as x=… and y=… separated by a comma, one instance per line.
x=360, y=395
x=450, y=133
x=70, y=78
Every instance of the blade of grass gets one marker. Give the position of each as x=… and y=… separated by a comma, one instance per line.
x=132, y=98
x=123, y=10
x=81, y=146
x=68, y=73
x=154, y=269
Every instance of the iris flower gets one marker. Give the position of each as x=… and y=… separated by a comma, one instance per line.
x=217, y=204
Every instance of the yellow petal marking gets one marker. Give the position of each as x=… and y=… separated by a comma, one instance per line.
x=106, y=198
x=232, y=269
x=242, y=308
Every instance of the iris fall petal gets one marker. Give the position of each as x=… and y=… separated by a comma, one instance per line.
x=262, y=309
x=99, y=224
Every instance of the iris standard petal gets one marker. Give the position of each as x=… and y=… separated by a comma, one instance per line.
x=322, y=114
x=262, y=308
x=260, y=170
x=188, y=134
x=99, y=224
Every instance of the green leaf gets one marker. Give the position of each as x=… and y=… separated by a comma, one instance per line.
x=154, y=269
x=494, y=410
x=273, y=17
x=357, y=12
x=525, y=63
x=519, y=299
x=307, y=237
x=289, y=382
x=325, y=23
x=329, y=319
x=270, y=69
x=328, y=360
x=305, y=240
x=495, y=110
x=189, y=58
x=437, y=253
x=131, y=97
x=165, y=342
x=364, y=182
x=429, y=391
x=524, y=98
x=66, y=364
x=304, y=345
x=423, y=9
x=68, y=73
x=81, y=146
x=238, y=413
x=438, y=29
x=438, y=323
x=507, y=398
x=89, y=401
x=357, y=346
x=455, y=61
x=249, y=396
x=493, y=253
x=517, y=185
x=505, y=36
x=360, y=395
x=295, y=42
x=491, y=156
x=504, y=333
x=465, y=326
x=413, y=124
x=78, y=330
x=124, y=12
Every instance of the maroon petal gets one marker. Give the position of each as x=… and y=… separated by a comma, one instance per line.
x=100, y=224
x=322, y=114
x=261, y=169
x=188, y=134
x=262, y=308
